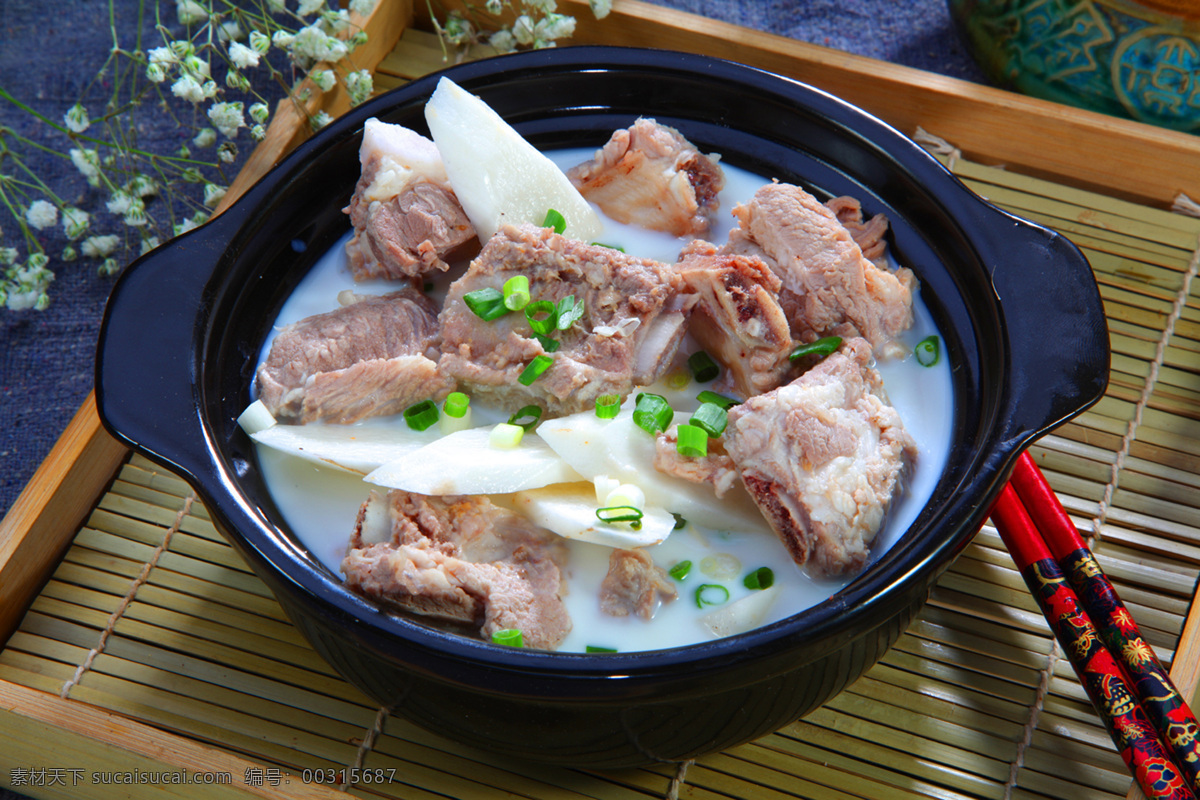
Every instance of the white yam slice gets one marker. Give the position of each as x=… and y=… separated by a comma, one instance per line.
x=619, y=449
x=354, y=448
x=570, y=511
x=498, y=176
x=465, y=463
x=741, y=615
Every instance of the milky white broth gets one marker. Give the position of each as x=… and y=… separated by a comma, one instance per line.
x=320, y=503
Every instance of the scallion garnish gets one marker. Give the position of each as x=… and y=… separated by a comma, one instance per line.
x=821, y=347
x=927, y=351
x=620, y=514
x=711, y=417
x=711, y=594
x=548, y=344
x=718, y=399
x=555, y=220
x=595, y=648
x=516, y=292
x=680, y=522
x=608, y=406
x=653, y=413
x=505, y=437
x=609, y=246
x=534, y=370
x=456, y=404
x=422, y=415
x=488, y=304
x=703, y=368
x=509, y=637
x=692, y=442
x=680, y=570
x=527, y=418
x=541, y=324
x=761, y=578
x=567, y=312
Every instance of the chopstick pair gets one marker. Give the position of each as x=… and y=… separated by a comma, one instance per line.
x=1150, y=723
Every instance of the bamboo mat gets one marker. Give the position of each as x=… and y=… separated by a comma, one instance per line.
x=152, y=616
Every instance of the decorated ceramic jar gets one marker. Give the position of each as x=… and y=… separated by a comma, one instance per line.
x=1133, y=59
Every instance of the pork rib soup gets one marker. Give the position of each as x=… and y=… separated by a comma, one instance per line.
x=619, y=399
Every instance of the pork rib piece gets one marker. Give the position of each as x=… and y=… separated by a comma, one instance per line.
x=650, y=175
x=829, y=287
x=737, y=318
x=633, y=321
x=460, y=560
x=407, y=220
x=370, y=357
x=634, y=585
x=823, y=457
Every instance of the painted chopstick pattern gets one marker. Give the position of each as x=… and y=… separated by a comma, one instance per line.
x=1136, y=738
x=1161, y=700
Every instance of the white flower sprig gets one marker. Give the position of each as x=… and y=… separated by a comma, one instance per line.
x=221, y=65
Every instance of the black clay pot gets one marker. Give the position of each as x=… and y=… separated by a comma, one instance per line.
x=1017, y=305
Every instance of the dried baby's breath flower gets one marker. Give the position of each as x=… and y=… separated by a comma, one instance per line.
x=75, y=222
x=227, y=117
x=41, y=214
x=309, y=7
x=213, y=194
x=259, y=112
x=320, y=120
x=359, y=86
x=324, y=79
x=77, y=118
x=190, y=12
x=205, y=137
x=244, y=57
x=100, y=246
x=363, y=7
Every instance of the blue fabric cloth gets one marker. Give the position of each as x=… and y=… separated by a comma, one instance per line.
x=49, y=52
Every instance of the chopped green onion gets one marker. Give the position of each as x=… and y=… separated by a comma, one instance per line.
x=595, y=648
x=821, y=347
x=718, y=399
x=712, y=418
x=680, y=571
x=505, y=436
x=555, y=220
x=703, y=368
x=422, y=415
x=527, y=418
x=927, y=351
x=692, y=442
x=620, y=514
x=653, y=413
x=711, y=594
x=678, y=379
x=608, y=406
x=535, y=369
x=548, y=344
x=609, y=246
x=509, y=637
x=761, y=578
x=488, y=304
x=567, y=312
x=541, y=324
x=456, y=404
x=516, y=292
x=680, y=522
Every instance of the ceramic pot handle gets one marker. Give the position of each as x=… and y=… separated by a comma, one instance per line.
x=146, y=361
x=1054, y=321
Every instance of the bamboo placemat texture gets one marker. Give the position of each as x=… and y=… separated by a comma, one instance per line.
x=151, y=615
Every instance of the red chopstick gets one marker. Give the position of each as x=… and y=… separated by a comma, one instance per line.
x=1164, y=705
x=1102, y=677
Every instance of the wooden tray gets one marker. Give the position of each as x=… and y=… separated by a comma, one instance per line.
x=974, y=700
